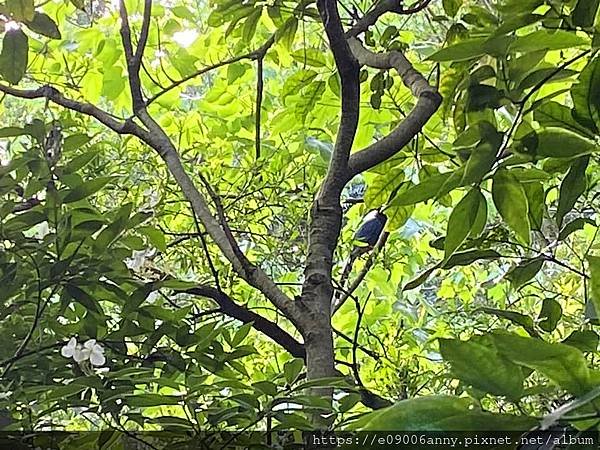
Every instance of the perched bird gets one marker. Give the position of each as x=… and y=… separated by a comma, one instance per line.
x=53, y=144
x=368, y=233
x=371, y=227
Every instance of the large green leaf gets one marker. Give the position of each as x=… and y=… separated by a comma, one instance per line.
x=517, y=318
x=451, y=7
x=86, y=189
x=465, y=50
x=560, y=143
x=146, y=400
x=585, y=12
x=429, y=188
x=547, y=40
x=511, y=202
x=571, y=188
x=461, y=221
x=14, y=56
x=438, y=413
x=44, y=25
x=525, y=271
x=483, y=368
x=553, y=114
x=586, y=96
x=550, y=314
x=479, y=163
x=584, y=340
x=564, y=365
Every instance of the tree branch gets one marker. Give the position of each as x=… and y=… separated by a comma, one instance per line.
x=270, y=329
x=371, y=17
x=382, y=7
x=139, y=51
x=53, y=95
x=218, y=230
x=133, y=61
x=250, y=55
x=428, y=101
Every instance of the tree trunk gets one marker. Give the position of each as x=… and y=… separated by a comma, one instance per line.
x=318, y=342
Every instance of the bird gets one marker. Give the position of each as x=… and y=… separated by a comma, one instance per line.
x=53, y=144
x=368, y=233
x=371, y=227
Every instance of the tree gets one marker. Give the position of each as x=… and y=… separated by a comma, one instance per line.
x=519, y=111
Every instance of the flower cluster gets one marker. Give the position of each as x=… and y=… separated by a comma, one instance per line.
x=90, y=350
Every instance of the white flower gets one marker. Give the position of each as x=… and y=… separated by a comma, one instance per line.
x=95, y=352
x=69, y=350
x=89, y=351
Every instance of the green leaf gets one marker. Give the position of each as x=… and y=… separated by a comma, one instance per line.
x=482, y=96
x=573, y=185
x=461, y=221
x=594, y=271
x=86, y=189
x=547, y=40
x=479, y=163
x=574, y=226
x=584, y=340
x=525, y=271
x=82, y=297
x=517, y=318
x=462, y=51
x=423, y=191
x=250, y=25
x=148, y=400
x=348, y=401
x=155, y=236
x=11, y=132
x=235, y=71
x=44, y=25
x=21, y=10
x=310, y=56
x=291, y=370
x=549, y=315
x=457, y=259
x=562, y=364
x=286, y=34
x=14, y=56
x=560, y=143
x=483, y=368
x=113, y=230
x=137, y=297
x=75, y=141
x=584, y=13
x=80, y=161
x=585, y=95
x=553, y=114
x=536, y=197
x=397, y=216
x=266, y=387
x=546, y=75
x=451, y=7
x=511, y=202
x=469, y=257
x=241, y=334
x=438, y=413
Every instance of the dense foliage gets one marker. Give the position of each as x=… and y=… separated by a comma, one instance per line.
x=476, y=309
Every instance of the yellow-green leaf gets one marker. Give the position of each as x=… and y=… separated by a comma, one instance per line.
x=511, y=202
